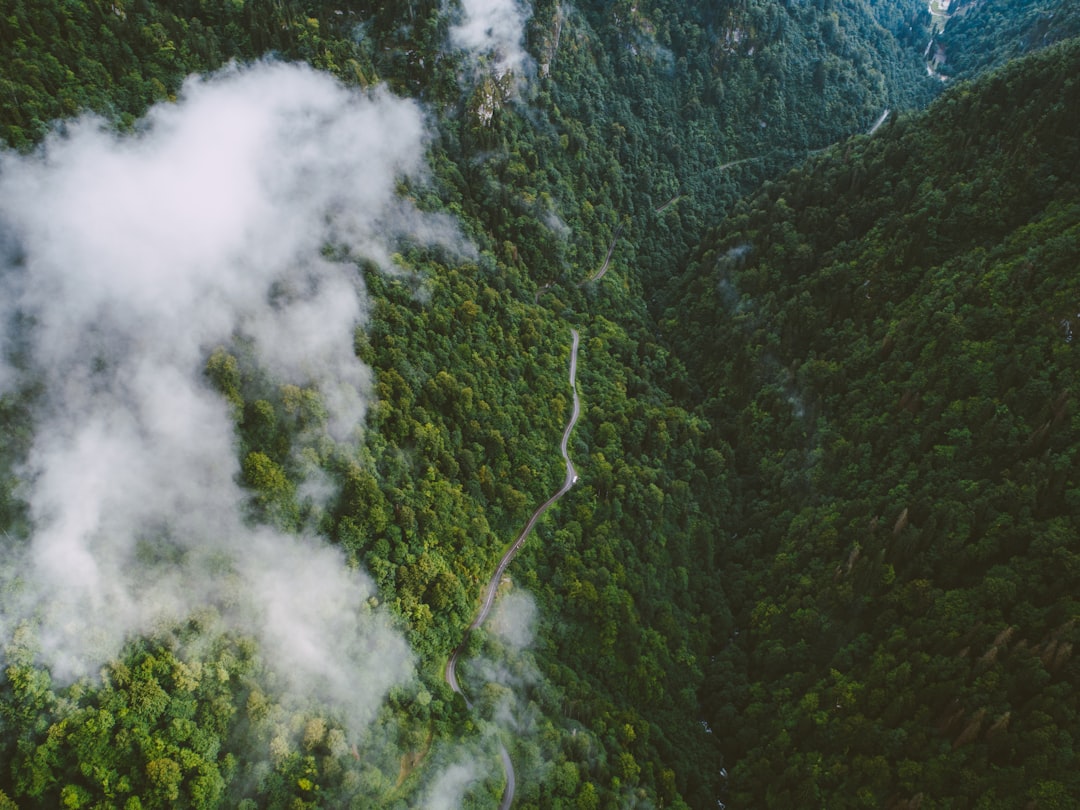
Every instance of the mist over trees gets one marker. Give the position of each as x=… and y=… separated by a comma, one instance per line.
x=285, y=349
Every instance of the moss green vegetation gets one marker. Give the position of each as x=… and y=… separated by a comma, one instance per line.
x=822, y=531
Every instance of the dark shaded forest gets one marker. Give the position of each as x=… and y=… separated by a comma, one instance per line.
x=894, y=371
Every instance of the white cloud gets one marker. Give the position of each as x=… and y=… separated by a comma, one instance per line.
x=494, y=28
x=454, y=782
x=133, y=257
x=514, y=619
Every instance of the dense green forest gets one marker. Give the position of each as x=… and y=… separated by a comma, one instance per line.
x=987, y=34
x=894, y=370
x=824, y=455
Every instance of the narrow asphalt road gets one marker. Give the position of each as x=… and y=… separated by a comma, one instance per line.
x=599, y=274
x=504, y=563
x=880, y=120
x=668, y=204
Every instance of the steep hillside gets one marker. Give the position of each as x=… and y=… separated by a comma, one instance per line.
x=695, y=103
x=885, y=339
x=984, y=34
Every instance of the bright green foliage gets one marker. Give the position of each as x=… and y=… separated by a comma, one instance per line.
x=152, y=732
x=179, y=721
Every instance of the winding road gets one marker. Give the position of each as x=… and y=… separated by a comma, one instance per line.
x=880, y=120
x=504, y=563
x=599, y=274
x=939, y=13
x=668, y=204
x=738, y=162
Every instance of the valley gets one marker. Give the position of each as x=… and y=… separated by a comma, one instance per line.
x=293, y=292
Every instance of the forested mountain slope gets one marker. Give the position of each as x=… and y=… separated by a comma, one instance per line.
x=984, y=34
x=885, y=339
x=626, y=128
x=696, y=102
